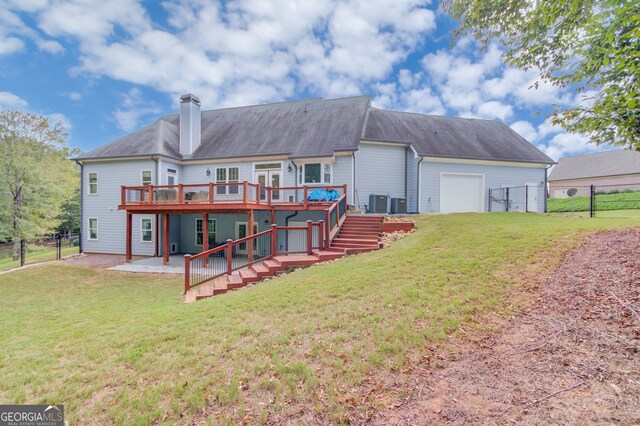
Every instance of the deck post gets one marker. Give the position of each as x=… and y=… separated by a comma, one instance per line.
x=327, y=231
x=272, y=217
x=250, y=233
x=205, y=236
x=305, y=197
x=274, y=238
x=210, y=192
x=321, y=234
x=245, y=186
x=309, y=237
x=165, y=246
x=157, y=236
x=128, y=237
x=123, y=195
x=344, y=191
x=187, y=273
x=180, y=194
x=229, y=256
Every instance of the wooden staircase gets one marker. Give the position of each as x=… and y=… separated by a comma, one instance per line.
x=257, y=272
x=358, y=234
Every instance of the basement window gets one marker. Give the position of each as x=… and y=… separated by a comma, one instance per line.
x=93, y=228
x=145, y=231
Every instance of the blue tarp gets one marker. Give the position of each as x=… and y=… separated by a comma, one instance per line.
x=323, y=195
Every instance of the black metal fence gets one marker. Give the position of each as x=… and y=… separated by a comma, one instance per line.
x=615, y=200
x=525, y=198
x=37, y=250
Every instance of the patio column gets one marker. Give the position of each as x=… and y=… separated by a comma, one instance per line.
x=249, y=233
x=127, y=257
x=205, y=236
x=165, y=235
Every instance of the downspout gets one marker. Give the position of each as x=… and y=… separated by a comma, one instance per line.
x=81, y=204
x=419, y=184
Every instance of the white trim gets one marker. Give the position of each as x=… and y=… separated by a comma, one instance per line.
x=159, y=171
x=482, y=209
x=142, y=176
x=89, y=183
x=142, y=219
x=89, y=219
x=314, y=160
x=396, y=144
x=195, y=228
x=485, y=162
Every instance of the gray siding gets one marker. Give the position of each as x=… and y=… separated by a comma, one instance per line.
x=343, y=174
x=164, y=165
x=495, y=177
x=380, y=169
x=412, y=182
x=104, y=207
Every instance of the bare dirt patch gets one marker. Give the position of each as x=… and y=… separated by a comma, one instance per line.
x=571, y=357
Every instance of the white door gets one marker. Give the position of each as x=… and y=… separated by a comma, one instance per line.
x=461, y=193
x=533, y=192
x=297, y=240
x=241, y=232
x=268, y=178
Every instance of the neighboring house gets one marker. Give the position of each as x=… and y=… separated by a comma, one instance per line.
x=438, y=164
x=607, y=171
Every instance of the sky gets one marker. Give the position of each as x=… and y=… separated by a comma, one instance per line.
x=106, y=68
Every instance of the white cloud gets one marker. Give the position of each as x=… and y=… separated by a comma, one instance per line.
x=57, y=117
x=9, y=100
x=132, y=108
x=245, y=51
x=495, y=110
x=525, y=129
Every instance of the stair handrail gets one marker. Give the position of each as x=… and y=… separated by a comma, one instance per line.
x=228, y=249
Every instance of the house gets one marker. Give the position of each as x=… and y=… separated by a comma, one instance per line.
x=606, y=171
x=229, y=173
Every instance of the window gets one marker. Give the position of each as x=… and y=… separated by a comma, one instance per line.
x=145, y=230
x=315, y=173
x=212, y=232
x=171, y=176
x=93, y=228
x=146, y=177
x=227, y=175
x=93, y=184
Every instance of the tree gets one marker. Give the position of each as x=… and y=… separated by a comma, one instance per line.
x=591, y=46
x=36, y=177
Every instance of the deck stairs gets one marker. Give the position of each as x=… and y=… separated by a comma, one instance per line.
x=358, y=234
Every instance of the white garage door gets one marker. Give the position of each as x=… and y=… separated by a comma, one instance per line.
x=461, y=193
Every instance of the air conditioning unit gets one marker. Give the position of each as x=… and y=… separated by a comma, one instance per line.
x=398, y=205
x=378, y=203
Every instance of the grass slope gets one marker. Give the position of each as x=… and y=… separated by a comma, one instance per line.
x=604, y=202
x=123, y=348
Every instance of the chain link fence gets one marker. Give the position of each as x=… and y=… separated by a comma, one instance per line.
x=37, y=250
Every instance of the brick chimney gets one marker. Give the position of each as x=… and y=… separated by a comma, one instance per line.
x=189, y=124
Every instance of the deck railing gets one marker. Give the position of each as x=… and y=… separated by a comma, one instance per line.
x=222, y=193
x=242, y=253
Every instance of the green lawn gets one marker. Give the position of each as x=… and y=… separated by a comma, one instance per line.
x=38, y=256
x=621, y=201
x=123, y=348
